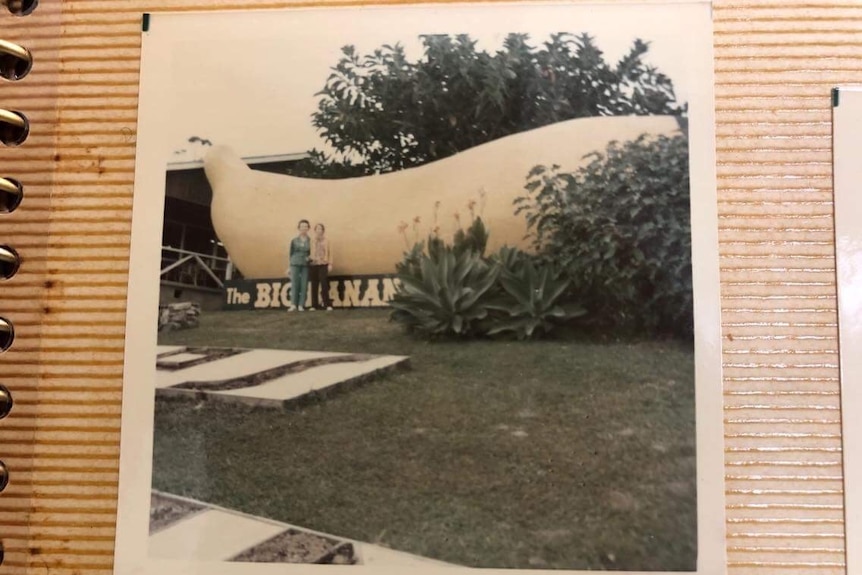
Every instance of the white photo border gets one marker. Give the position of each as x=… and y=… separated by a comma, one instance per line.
x=847, y=173
x=131, y=555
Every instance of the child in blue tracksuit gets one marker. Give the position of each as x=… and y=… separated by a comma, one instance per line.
x=300, y=253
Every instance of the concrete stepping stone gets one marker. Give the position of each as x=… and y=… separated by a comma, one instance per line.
x=220, y=534
x=314, y=379
x=164, y=349
x=180, y=358
x=211, y=535
x=378, y=556
x=191, y=357
x=234, y=366
x=165, y=511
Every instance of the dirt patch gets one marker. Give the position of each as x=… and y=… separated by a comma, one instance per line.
x=262, y=377
x=293, y=546
x=165, y=511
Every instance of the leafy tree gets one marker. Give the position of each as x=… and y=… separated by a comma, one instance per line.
x=382, y=112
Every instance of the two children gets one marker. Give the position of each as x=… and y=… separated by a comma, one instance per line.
x=309, y=257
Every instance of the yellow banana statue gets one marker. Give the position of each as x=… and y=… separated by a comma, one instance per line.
x=371, y=220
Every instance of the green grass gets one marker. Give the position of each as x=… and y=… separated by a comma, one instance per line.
x=552, y=454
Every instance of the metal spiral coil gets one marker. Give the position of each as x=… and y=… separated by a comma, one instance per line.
x=14, y=127
x=11, y=194
x=15, y=61
x=7, y=334
x=9, y=262
x=15, y=64
x=20, y=7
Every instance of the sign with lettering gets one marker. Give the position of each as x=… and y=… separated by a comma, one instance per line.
x=344, y=292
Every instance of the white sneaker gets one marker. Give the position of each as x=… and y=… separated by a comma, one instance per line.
x=301, y=308
x=311, y=309
x=329, y=308
x=291, y=308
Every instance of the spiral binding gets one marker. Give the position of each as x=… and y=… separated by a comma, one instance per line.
x=20, y=7
x=15, y=63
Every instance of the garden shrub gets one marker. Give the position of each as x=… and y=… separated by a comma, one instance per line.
x=620, y=226
x=453, y=290
x=474, y=239
x=443, y=292
x=530, y=302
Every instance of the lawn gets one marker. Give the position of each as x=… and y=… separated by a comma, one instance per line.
x=560, y=454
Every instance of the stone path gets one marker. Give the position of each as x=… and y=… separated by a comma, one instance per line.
x=261, y=376
x=212, y=533
x=185, y=529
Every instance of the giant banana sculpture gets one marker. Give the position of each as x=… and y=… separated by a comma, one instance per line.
x=370, y=221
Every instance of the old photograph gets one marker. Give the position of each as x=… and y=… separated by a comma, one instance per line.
x=846, y=140
x=427, y=290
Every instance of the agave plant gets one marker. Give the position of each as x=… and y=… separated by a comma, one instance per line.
x=447, y=296
x=411, y=260
x=510, y=259
x=474, y=239
x=532, y=301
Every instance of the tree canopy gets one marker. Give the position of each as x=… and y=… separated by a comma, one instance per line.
x=382, y=112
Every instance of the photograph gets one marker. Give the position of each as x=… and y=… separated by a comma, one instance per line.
x=846, y=141
x=435, y=293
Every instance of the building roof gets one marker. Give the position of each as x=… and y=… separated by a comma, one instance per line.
x=250, y=160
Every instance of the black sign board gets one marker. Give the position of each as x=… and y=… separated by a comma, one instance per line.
x=344, y=291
